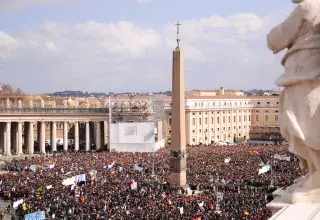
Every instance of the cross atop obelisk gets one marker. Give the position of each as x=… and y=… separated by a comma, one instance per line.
x=178, y=154
x=178, y=32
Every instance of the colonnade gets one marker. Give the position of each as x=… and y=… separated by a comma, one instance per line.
x=16, y=135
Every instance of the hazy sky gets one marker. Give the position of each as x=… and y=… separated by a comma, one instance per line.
x=126, y=45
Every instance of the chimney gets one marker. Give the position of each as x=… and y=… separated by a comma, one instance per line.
x=221, y=91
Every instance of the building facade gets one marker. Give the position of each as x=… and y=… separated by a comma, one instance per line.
x=214, y=119
x=265, y=123
x=229, y=115
x=216, y=115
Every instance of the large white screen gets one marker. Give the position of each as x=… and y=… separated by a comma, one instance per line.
x=132, y=133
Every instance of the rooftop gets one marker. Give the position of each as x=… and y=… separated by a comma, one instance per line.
x=217, y=97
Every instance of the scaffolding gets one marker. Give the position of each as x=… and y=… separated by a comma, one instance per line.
x=157, y=108
x=133, y=110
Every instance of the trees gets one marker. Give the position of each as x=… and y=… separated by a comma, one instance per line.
x=6, y=88
x=19, y=91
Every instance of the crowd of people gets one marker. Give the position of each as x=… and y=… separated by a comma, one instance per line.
x=225, y=184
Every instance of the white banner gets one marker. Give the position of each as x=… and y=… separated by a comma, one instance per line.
x=282, y=157
x=111, y=165
x=134, y=185
x=80, y=178
x=219, y=195
x=17, y=203
x=69, y=181
x=136, y=167
x=264, y=169
x=181, y=210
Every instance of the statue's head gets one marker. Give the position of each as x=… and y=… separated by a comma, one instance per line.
x=297, y=1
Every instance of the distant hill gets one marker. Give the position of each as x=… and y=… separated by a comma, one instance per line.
x=70, y=93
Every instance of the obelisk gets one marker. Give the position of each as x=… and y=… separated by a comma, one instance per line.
x=178, y=156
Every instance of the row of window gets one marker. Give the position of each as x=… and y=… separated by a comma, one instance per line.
x=267, y=111
x=218, y=112
x=218, y=119
x=266, y=118
x=219, y=103
x=268, y=103
x=218, y=129
x=218, y=137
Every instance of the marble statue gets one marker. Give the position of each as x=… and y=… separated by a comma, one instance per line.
x=54, y=104
x=65, y=104
x=7, y=103
x=30, y=104
x=19, y=104
x=299, y=35
x=87, y=103
x=42, y=104
x=76, y=104
x=98, y=104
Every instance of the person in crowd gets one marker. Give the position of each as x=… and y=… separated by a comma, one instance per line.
x=121, y=185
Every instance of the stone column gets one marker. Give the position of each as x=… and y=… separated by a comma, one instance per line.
x=76, y=136
x=5, y=138
x=98, y=135
x=53, y=136
x=8, y=139
x=87, y=136
x=30, y=138
x=19, y=152
x=178, y=162
x=65, y=136
x=26, y=135
x=2, y=137
x=42, y=138
x=14, y=137
x=38, y=134
x=104, y=137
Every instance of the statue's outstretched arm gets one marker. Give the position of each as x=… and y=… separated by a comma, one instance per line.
x=284, y=34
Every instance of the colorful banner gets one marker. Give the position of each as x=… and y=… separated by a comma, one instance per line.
x=35, y=216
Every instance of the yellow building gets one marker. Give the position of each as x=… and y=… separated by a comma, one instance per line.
x=265, y=123
x=216, y=115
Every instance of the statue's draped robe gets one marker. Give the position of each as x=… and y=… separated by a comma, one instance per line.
x=300, y=100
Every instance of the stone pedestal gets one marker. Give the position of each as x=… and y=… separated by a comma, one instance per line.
x=296, y=194
x=279, y=202
x=298, y=212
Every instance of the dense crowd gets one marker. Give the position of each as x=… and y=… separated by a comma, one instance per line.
x=108, y=190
